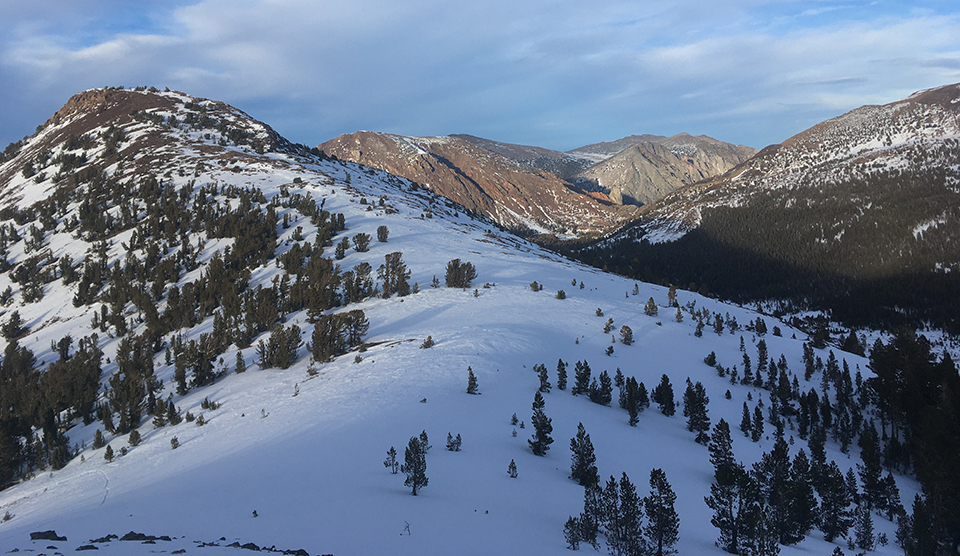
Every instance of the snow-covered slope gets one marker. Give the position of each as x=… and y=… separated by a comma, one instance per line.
x=293, y=457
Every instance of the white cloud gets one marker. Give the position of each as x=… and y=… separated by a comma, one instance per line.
x=558, y=73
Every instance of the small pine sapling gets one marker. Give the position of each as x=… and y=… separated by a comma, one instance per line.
x=174, y=443
x=391, y=462
x=134, y=438
x=428, y=343
x=472, y=387
x=108, y=454
x=512, y=469
x=453, y=443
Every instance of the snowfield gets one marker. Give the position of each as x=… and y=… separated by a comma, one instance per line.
x=305, y=452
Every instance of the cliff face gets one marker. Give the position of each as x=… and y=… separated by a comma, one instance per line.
x=516, y=195
x=653, y=167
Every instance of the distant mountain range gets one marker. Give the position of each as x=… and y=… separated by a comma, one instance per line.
x=861, y=212
x=515, y=194
x=592, y=190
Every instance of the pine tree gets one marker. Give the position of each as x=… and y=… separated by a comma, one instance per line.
x=571, y=533
x=626, y=335
x=512, y=469
x=871, y=473
x=581, y=378
x=583, y=468
x=173, y=415
x=802, y=501
x=592, y=516
x=541, y=371
x=391, y=462
x=601, y=392
x=424, y=441
x=632, y=402
x=730, y=492
x=697, y=419
x=746, y=423
x=561, y=375
x=835, y=516
x=98, y=440
x=756, y=432
x=241, y=366
x=134, y=438
x=454, y=443
x=472, y=387
x=863, y=529
x=663, y=396
x=108, y=454
x=650, y=309
x=624, y=526
x=663, y=526
x=543, y=427
x=415, y=465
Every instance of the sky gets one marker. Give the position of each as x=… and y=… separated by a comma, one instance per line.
x=553, y=73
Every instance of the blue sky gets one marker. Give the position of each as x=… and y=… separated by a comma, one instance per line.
x=553, y=73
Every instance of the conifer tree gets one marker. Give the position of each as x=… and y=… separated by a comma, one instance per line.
x=543, y=427
x=592, y=516
x=601, y=392
x=134, y=438
x=624, y=526
x=632, y=402
x=391, y=462
x=581, y=378
x=626, y=335
x=863, y=529
x=650, y=309
x=662, y=530
x=803, y=504
x=108, y=454
x=835, y=516
x=730, y=493
x=454, y=443
x=541, y=371
x=695, y=402
x=512, y=469
x=241, y=365
x=98, y=440
x=746, y=423
x=424, y=441
x=756, y=432
x=561, y=375
x=472, y=387
x=415, y=465
x=583, y=468
x=571, y=533
x=663, y=396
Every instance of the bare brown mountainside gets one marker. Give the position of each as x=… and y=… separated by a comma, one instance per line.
x=563, y=165
x=652, y=167
x=515, y=195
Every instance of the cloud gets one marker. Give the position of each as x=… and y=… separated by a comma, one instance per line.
x=557, y=73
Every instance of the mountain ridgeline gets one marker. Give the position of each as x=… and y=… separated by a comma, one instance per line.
x=857, y=216
x=189, y=302
x=587, y=192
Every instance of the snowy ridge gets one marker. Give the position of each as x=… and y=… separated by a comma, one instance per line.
x=292, y=458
